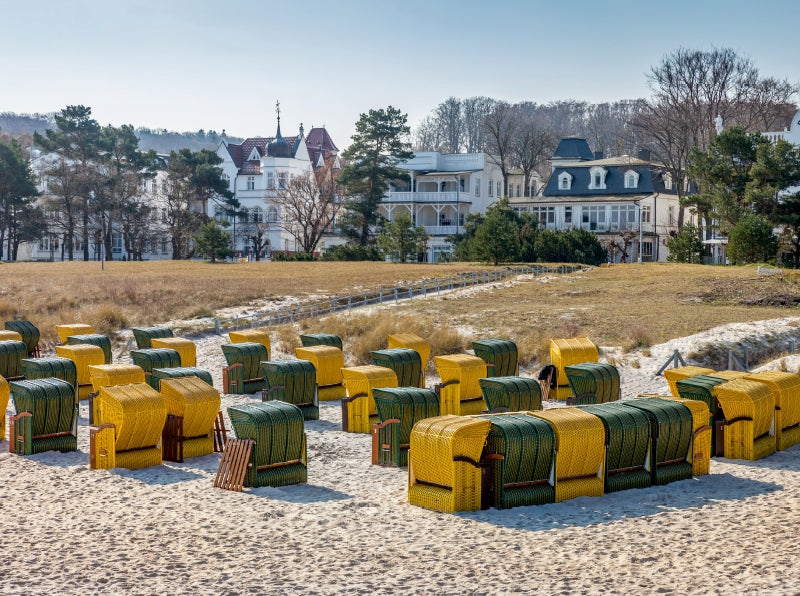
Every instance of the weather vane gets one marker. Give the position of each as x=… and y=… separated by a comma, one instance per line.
x=278, y=109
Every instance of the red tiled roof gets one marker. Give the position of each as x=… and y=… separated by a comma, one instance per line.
x=318, y=141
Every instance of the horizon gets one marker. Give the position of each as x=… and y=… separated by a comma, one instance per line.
x=187, y=66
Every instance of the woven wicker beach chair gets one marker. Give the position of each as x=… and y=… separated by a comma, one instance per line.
x=278, y=457
x=29, y=333
x=6, y=335
x=444, y=467
x=46, y=419
x=328, y=362
x=405, y=363
x=627, y=439
x=64, y=331
x=259, y=336
x=701, y=432
x=571, y=350
x=108, y=375
x=520, y=451
x=414, y=342
x=748, y=409
x=785, y=388
x=359, y=412
x=593, y=383
x=293, y=382
x=178, y=372
x=151, y=358
x=671, y=429
x=93, y=339
x=399, y=409
x=185, y=347
x=579, y=453
x=511, y=394
x=5, y=395
x=131, y=419
x=12, y=352
x=145, y=335
x=192, y=407
x=673, y=375
x=460, y=390
x=51, y=366
x=500, y=356
x=321, y=339
x=84, y=356
x=243, y=375
x=701, y=388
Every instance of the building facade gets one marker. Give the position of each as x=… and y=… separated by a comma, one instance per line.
x=442, y=190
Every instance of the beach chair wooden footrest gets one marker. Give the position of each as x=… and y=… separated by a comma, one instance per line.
x=233, y=466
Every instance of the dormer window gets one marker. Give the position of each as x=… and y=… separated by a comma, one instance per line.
x=597, y=177
x=565, y=181
x=631, y=179
x=254, y=156
x=667, y=181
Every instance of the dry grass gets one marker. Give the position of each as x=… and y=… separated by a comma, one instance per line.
x=128, y=293
x=628, y=305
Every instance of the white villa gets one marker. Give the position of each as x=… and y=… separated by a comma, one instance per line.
x=443, y=189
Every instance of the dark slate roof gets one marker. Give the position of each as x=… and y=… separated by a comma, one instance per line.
x=650, y=179
x=573, y=148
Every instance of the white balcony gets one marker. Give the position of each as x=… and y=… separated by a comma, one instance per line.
x=441, y=230
x=427, y=197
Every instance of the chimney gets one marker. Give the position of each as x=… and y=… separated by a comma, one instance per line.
x=598, y=155
x=644, y=154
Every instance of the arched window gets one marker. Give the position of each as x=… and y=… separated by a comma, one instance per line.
x=631, y=179
x=257, y=215
x=272, y=214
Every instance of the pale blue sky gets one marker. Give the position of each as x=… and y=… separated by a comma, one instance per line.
x=190, y=64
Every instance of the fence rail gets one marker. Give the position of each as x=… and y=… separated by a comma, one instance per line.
x=383, y=296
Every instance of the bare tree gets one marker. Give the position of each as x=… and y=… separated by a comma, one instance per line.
x=309, y=205
x=500, y=128
x=475, y=110
x=428, y=135
x=451, y=123
x=532, y=143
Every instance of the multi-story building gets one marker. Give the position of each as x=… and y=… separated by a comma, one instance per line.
x=624, y=200
x=257, y=169
x=442, y=190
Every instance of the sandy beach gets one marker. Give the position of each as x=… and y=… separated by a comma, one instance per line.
x=166, y=530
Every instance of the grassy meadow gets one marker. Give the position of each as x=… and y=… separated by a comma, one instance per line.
x=626, y=305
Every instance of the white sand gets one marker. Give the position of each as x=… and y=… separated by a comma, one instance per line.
x=166, y=530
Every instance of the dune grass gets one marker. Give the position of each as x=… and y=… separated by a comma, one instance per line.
x=127, y=294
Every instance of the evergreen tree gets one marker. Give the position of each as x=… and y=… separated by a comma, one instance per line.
x=685, y=246
x=752, y=240
x=213, y=242
x=401, y=239
x=497, y=238
x=17, y=194
x=380, y=143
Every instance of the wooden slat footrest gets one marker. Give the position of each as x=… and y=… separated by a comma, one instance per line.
x=220, y=433
x=233, y=465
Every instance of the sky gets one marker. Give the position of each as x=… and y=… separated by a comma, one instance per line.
x=185, y=65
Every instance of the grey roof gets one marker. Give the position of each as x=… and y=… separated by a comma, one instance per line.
x=650, y=180
x=573, y=148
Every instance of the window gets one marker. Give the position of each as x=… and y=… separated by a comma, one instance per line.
x=461, y=184
x=489, y=193
x=270, y=180
x=251, y=183
x=631, y=179
x=116, y=243
x=623, y=217
x=597, y=178
x=272, y=214
x=442, y=186
x=519, y=188
x=671, y=215
x=647, y=250
x=546, y=215
x=646, y=214
x=154, y=186
x=568, y=215
x=257, y=215
x=281, y=180
x=477, y=188
x=593, y=218
x=164, y=218
x=163, y=246
x=667, y=181
x=565, y=181
x=44, y=244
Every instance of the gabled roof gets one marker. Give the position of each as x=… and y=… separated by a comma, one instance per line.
x=576, y=148
x=318, y=143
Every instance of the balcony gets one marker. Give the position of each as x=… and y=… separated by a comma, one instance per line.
x=441, y=230
x=427, y=197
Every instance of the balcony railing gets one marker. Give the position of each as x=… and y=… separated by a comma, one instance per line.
x=427, y=197
x=441, y=230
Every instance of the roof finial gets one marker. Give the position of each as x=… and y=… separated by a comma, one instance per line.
x=278, y=109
